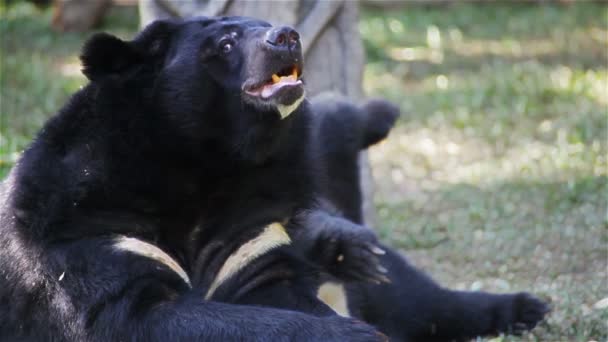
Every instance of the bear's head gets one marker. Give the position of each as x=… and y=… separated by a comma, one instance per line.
x=228, y=82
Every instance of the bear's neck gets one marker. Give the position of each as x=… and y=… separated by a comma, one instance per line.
x=86, y=163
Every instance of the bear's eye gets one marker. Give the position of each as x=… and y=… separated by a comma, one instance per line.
x=226, y=45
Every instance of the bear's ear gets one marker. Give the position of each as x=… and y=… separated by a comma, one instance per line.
x=104, y=55
x=154, y=40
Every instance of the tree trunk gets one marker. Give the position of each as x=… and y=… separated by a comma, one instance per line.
x=74, y=15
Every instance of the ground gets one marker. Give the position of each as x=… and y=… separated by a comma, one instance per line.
x=496, y=175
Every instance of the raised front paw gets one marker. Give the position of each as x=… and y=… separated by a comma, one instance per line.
x=353, y=254
x=524, y=313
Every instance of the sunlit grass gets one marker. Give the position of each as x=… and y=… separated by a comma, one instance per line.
x=39, y=69
x=496, y=177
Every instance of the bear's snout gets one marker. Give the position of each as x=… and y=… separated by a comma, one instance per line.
x=273, y=76
x=284, y=39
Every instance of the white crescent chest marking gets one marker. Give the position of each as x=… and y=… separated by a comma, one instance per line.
x=286, y=110
x=334, y=296
x=274, y=235
x=151, y=251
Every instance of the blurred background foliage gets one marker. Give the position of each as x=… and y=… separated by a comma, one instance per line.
x=495, y=177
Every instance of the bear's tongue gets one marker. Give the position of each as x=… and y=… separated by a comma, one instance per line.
x=278, y=82
x=275, y=84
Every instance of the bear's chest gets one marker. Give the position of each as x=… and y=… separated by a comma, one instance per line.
x=262, y=194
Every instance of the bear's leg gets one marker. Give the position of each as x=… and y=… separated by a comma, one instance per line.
x=415, y=308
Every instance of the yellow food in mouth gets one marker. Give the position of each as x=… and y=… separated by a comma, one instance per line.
x=276, y=78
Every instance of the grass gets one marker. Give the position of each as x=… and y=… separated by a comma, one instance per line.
x=495, y=178
x=39, y=69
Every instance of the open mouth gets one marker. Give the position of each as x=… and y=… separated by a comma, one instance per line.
x=287, y=77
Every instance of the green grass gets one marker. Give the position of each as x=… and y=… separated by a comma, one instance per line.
x=495, y=178
x=39, y=69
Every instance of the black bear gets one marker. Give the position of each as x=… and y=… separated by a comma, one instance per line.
x=164, y=186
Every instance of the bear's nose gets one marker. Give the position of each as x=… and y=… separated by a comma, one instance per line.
x=283, y=38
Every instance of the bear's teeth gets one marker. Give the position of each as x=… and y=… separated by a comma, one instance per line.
x=276, y=78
